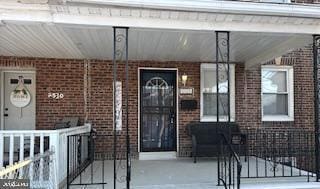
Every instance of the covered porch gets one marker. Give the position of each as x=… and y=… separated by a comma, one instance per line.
x=82, y=52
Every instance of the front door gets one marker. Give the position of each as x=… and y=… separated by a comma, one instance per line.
x=19, y=101
x=157, y=110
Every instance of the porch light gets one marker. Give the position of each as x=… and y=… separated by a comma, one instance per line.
x=184, y=79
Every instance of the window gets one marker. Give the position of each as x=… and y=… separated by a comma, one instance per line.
x=277, y=93
x=209, y=93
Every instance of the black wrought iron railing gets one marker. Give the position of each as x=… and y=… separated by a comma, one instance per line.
x=279, y=153
x=80, y=156
x=229, y=165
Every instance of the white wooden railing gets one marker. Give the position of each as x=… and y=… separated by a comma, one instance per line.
x=43, y=168
x=17, y=145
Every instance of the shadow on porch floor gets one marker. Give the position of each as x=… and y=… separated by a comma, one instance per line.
x=182, y=173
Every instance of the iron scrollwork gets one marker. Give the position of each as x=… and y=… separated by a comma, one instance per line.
x=121, y=148
x=120, y=44
x=223, y=72
x=223, y=87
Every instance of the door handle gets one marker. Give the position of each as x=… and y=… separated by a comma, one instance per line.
x=5, y=115
x=171, y=120
x=172, y=117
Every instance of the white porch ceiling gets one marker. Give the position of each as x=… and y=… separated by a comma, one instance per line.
x=65, y=41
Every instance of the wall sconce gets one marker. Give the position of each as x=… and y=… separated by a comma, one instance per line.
x=184, y=79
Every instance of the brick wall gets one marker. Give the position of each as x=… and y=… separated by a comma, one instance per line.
x=70, y=78
x=248, y=90
x=101, y=99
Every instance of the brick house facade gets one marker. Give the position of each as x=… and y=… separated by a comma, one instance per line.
x=87, y=89
x=67, y=47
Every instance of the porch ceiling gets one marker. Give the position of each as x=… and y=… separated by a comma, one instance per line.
x=66, y=41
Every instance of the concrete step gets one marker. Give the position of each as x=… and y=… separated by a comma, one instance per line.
x=257, y=185
x=284, y=185
x=280, y=183
x=181, y=186
x=254, y=183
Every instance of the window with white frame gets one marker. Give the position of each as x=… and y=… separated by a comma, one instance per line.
x=277, y=93
x=208, y=90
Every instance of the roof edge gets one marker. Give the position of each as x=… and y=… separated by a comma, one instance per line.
x=217, y=6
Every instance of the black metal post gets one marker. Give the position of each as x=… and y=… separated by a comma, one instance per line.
x=114, y=109
x=228, y=83
x=223, y=62
x=68, y=165
x=219, y=156
x=217, y=74
x=223, y=59
x=127, y=115
x=316, y=49
x=239, y=167
x=228, y=72
x=120, y=54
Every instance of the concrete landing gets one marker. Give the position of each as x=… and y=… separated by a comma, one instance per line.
x=182, y=173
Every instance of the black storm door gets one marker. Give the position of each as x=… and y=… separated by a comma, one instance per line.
x=157, y=110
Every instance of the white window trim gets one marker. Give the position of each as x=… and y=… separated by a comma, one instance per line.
x=232, y=94
x=290, y=85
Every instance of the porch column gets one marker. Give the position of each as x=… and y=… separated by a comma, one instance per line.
x=222, y=71
x=120, y=56
x=316, y=62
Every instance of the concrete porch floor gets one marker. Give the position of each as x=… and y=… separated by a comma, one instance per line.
x=182, y=173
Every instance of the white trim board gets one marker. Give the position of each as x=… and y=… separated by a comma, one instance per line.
x=212, y=67
x=260, y=8
x=157, y=155
x=174, y=24
x=177, y=108
x=290, y=92
x=192, y=15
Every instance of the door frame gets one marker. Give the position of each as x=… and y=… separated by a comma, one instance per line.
x=4, y=70
x=177, y=108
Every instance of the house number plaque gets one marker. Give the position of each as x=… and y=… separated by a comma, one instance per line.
x=186, y=91
x=55, y=95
